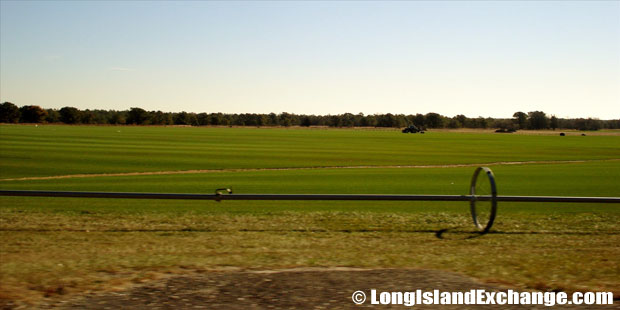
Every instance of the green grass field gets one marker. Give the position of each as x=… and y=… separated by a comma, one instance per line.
x=58, y=150
x=68, y=245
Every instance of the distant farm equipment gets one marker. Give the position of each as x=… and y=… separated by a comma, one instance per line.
x=412, y=129
x=505, y=130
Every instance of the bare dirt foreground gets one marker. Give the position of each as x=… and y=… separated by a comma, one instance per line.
x=308, y=288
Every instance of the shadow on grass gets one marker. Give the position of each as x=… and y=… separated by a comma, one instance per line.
x=455, y=233
x=460, y=233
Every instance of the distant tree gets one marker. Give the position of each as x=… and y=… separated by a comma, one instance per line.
x=347, y=120
x=505, y=124
x=116, y=118
x=533, y=120
x=286, y=122
x=419, y=120
x=520, y=119
x=182, y=118
x=369, y=121
x=333, y=120
x=100, y=116
x=160, y=118
x=306, y=121
x=358, y=119
x=594, y=124
x=192, y=119
x=401, y=121
x=273, y=119
x=87, y=117
x=258, y=120
x=53, y=116
x=247, y=119
x=613, y=124
x=453, y=123
x=9, y=113
x=137, y=116
x=462, y=119
x=32, y=114
x=481, y=122
x=226, y=119
x=587, y=124
x=202, y=119
x=553, y=122
x=70, y=115
x=285, y=119
x=216, y=119
x=537, y=120
x=385, y=120
x=264, y=120
x=433, y=120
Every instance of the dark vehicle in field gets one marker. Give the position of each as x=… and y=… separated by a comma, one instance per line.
x=411, y=129
x=505, y=130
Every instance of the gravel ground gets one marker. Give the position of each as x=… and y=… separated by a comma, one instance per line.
x=287, y=289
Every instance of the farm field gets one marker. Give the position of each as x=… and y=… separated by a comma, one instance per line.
x=29, y=151
x=63, y=246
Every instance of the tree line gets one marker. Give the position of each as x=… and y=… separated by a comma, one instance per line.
x=10, y=113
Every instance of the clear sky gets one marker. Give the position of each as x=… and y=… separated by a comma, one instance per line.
x=479, y=58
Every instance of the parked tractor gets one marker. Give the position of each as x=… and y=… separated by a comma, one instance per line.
x=412, y=129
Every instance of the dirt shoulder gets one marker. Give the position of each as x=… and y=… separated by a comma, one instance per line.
x=309, y=288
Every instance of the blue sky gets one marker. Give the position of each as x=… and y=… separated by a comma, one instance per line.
x=479, y=58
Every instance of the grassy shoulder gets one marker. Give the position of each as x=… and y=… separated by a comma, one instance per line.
x=45, y=254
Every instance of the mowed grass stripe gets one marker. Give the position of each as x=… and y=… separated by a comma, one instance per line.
x=95, y=175
x=530, y=180
x=60, y=150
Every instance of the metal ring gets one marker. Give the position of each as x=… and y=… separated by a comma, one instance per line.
x=484, y=228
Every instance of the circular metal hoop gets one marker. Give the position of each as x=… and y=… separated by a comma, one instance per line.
x=483, y=224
